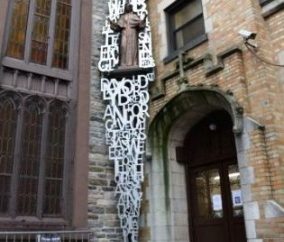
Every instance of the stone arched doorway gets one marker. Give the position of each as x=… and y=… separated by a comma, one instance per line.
x=167, y=175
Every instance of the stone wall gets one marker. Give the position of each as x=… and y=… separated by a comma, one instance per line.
x=102, y=203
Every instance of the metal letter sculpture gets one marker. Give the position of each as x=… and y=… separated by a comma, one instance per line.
x=126, y=113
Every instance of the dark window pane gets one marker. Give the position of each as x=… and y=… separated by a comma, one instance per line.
x=209, y=199
x=235, y=185
x=29, y=164
x=265, y=2
x=186, y=22
x=189, y=32
x=55, y=160
x=39, y=43
x=17, y=37
x=62, y=34
x=187, y=13
x=179, y=39
x=8, y=117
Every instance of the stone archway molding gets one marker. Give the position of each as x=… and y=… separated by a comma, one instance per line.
x=166, y=132
x=198, y=98
x=196, y=102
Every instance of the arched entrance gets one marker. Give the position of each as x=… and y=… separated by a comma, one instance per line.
x=213, y=181
x=167, y=174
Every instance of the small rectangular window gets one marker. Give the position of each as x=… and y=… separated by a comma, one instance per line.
x=39, y=45
x=17, y=37
x=62, y=34
x=186, y=23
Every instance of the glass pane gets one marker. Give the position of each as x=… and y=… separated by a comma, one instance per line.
x=55, y=160
x=62, y=34
x=8, y=117
x=237, y=202
x=39, y=43
x=189, y=32
x=209, y=198
x=17, y=37
x=179, y=40
x=187, y=13
x=29, y=164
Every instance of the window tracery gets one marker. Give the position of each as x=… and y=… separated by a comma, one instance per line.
x=23, y=121
x=8, y=118
x=55, y=159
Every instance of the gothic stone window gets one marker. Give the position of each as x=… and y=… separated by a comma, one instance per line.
x=40, y=32
x=32, y=184
x=185, y=24
x=34, y=122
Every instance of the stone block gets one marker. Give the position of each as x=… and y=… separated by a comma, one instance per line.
x=251, y=210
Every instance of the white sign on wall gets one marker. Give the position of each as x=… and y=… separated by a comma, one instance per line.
x=217, y=202
x=237, y=198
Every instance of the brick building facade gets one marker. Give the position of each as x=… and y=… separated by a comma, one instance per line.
x=215, y=126
x=220, y=74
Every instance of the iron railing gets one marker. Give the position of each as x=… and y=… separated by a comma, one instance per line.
x=46, y=236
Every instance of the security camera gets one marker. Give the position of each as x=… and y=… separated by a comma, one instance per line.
x=247, y=34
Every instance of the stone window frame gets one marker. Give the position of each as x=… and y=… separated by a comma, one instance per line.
x=171, y=10
x=25, y=64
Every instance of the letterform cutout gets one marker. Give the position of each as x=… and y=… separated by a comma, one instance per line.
x=125, y=115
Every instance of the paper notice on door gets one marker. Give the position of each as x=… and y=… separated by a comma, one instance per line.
x=217, y=202
x=237, y=198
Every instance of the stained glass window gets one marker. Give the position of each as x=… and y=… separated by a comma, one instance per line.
x=55, y=160
x=17, y=37
x=46, y=42
x=35, y=179
x=29, y=164
x=62, y=34
x=8, y=117
x=39, y=44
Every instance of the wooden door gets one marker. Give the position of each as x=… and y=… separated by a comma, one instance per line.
x=214, y=192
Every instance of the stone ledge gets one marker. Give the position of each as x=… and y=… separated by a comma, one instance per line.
x=210, y=69
x=273, y=210
x=272, y=7
x=127, y=71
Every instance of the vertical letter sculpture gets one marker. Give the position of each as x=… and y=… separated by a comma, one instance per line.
x=124, y=85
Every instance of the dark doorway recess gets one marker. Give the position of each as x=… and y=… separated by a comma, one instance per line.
x=213, y=178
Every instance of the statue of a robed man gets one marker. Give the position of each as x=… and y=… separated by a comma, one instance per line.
x=129, y=24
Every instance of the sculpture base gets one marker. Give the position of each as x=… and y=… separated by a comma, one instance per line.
x=127, y=71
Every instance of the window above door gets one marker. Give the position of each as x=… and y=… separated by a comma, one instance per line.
x=185, y=26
